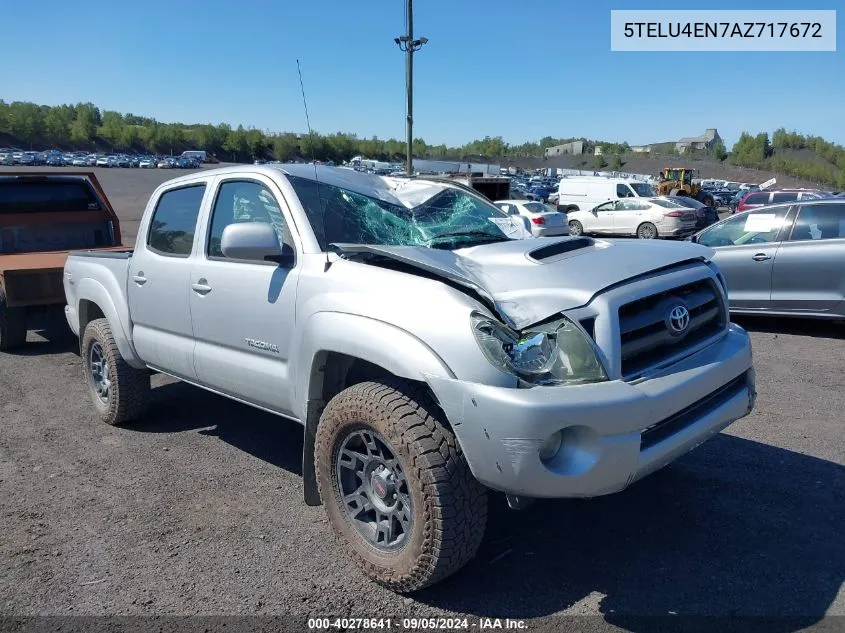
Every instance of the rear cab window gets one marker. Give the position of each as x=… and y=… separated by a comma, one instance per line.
x=46, y=196
x=174, y=222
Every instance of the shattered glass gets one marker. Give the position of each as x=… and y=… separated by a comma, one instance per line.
x=411, y=213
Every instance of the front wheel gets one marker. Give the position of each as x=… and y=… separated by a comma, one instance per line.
x=576, y=228
x=646, y=231
x=397, y=489
x=120, y=392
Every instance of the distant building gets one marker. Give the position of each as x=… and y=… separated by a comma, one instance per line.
x=641, y=149
x=573, y=148
x=705, y=141
x=598, y=151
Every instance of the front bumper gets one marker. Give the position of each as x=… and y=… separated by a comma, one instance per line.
x=614, y=433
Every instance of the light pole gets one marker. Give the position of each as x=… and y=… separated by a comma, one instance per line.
x=409, y=46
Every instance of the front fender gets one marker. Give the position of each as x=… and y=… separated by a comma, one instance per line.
x=117, y=315
x=383, y=344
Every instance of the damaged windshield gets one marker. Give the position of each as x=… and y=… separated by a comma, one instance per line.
x=415, y=213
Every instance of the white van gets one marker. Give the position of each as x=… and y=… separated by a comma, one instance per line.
x=587, y=192
x=201, y=155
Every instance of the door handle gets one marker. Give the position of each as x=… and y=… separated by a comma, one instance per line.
x=760, y=257
x=201, y=287
x=139, y=279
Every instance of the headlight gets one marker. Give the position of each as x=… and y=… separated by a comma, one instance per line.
x=557, y=352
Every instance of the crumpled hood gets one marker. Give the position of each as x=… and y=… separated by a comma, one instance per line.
x=527, y=286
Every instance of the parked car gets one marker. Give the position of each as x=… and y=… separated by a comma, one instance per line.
x=539, y=219
x=786, y=259
x=7, y=158
x=761, y=198
x=645, y=218
x=427, y=355
x=148, y=162
x=704, y=215
x=540, y=193
x=736, y=199
x=584, y=193
x=104, y=161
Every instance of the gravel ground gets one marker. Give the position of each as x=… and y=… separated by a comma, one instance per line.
x=198, y=510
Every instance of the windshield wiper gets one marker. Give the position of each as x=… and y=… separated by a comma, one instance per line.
x=467, y=235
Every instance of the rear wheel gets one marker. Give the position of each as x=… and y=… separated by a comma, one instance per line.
x=396, y=487
x=575, y=228
x=646, y=231
x=120, y=392
x=12, y=325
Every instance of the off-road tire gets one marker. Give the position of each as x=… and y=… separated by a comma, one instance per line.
x=576, y=228
x=449, y=505
x=647, y=231
x=709, y=201
x=129, y=393
x=12, y=325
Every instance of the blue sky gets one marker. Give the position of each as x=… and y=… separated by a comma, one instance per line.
x=521, y=70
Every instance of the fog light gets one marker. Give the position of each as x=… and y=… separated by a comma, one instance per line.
x=550, y=447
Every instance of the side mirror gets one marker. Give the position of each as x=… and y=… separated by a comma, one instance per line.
x=255, y=241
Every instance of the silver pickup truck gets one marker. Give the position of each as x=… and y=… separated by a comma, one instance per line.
x=430, y=348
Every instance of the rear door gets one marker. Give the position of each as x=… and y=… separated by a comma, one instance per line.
x=158, y=286
x=745, y=247
x=808, y=274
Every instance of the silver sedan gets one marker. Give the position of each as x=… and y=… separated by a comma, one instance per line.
x=537, y=217
x=786, y=260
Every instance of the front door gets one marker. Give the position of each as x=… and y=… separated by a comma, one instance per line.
x=601, y=220
x=158, y=284
x=746, y=245
x=243, y=312
x=808, y=274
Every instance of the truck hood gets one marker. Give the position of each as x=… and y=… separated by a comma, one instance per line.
x=530, y=280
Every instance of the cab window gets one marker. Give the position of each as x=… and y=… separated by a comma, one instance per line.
x=244, y=201
x=174, y=221
x=819, y=222
x=624, y=191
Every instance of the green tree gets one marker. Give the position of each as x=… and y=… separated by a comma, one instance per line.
x=285, y=147
x=84, y=126
x=600, y=162
x=616, y=162
x=718, y=150
x=112, y=126
x=256, y=143
x=56, y=126
x=236, y=143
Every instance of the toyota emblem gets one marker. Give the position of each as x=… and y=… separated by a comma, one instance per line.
x=678, y=319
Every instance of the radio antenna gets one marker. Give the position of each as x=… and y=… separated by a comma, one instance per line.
x=307, y=120
x=313, y=157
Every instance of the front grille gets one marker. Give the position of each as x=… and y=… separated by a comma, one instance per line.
x=685, y=417
x=646, y=329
